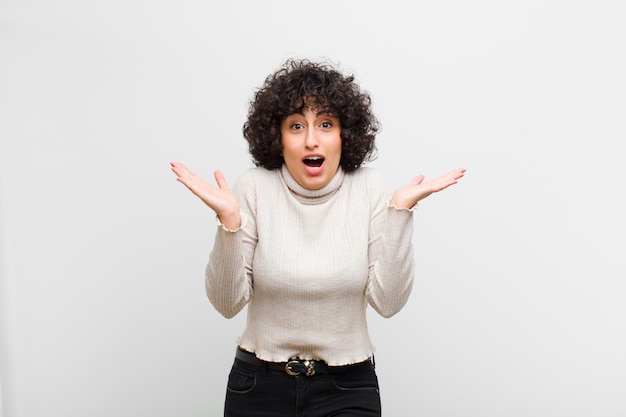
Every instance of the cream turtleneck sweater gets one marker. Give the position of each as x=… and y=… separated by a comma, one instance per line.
x=308, y=262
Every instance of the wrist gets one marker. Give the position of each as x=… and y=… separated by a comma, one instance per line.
x=230, y=220
x=401, y=203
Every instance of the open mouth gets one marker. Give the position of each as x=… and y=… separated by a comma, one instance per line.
x=313, y=161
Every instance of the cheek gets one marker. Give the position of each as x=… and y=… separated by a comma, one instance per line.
x=284, y=145
x=339, y=146
x=288, y=154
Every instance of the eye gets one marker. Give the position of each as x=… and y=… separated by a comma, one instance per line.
x=296, y=126
x=326, y=125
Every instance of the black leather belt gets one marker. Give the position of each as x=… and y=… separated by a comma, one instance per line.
x=296, y=367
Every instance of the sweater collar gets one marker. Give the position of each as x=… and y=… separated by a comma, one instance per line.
x=306, y=196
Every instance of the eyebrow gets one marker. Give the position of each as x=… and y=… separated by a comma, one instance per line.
x=328, y=112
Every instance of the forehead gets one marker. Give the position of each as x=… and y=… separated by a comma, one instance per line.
x=317, y=104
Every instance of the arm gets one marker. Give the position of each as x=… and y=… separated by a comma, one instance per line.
x=391, y=264
x=228, y=275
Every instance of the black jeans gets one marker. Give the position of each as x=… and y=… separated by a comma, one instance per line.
x=257, y=390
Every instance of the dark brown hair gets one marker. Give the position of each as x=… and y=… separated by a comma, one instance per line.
x=301, y=83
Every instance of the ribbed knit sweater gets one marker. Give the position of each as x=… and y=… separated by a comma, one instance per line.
x=308, y=262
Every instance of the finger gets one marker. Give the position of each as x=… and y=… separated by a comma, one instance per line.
x=184, y=172
x=221, y=181
x=177, y=165
x=458, y=173
x=451, y=177
x=178, y=168
x=185, y=176
x=418, y=180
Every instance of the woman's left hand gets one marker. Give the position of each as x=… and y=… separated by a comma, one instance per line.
x=416, y=190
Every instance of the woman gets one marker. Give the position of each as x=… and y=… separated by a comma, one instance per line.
x=307, y=240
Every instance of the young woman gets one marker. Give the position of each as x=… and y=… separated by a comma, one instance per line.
x=307, y=240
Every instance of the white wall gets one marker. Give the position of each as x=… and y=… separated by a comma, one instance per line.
x=518, y=308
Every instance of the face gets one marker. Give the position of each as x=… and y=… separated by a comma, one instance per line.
x=311, y=147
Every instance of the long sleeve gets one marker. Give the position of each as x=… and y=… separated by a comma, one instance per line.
x=390, y=252
x=229, y=271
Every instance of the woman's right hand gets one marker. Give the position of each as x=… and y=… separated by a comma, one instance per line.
x=221, y=199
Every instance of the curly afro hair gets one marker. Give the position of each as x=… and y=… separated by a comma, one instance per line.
x=301, y=83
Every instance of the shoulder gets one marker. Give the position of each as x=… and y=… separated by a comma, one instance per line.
x=367, y=176
x=369, y=180
x=253, y=178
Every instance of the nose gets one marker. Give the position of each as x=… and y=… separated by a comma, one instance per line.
x=311, y=140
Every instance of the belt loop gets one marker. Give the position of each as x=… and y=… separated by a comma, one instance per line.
x=373, y=362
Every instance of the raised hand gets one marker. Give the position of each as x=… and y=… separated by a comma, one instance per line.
x=416, y=190
x=221, y=199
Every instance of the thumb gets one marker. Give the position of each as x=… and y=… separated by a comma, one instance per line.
x=221, y=181
x=417, y=180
